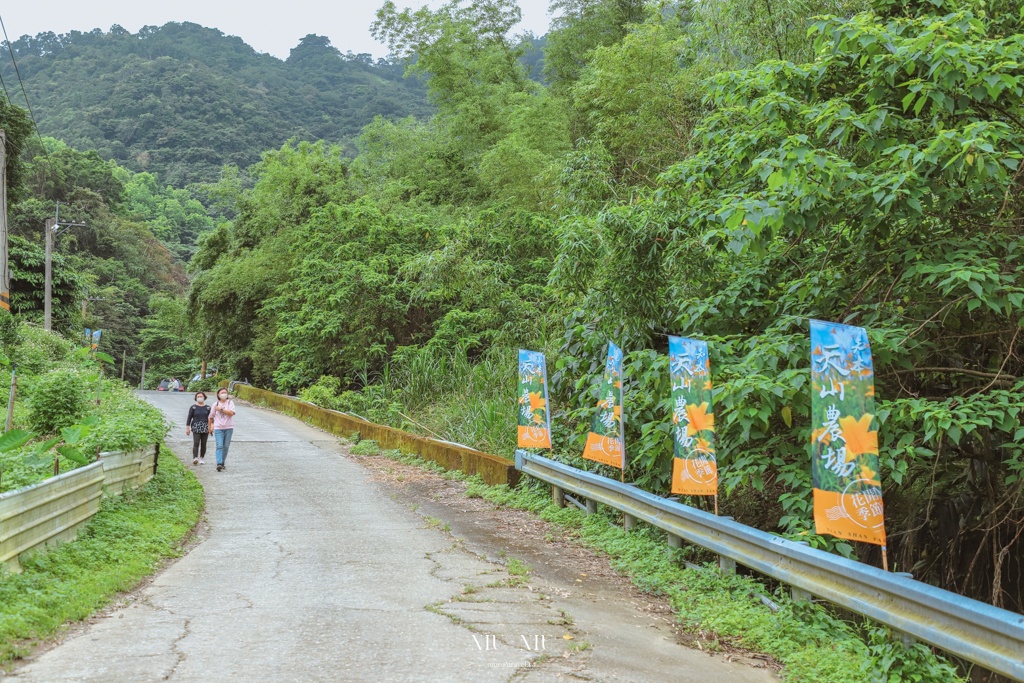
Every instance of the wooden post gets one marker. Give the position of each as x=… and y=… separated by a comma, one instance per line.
x=124, y=357
x=142, y=380
x=10, y=401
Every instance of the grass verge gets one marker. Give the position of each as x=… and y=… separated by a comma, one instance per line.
x=812, y=642
x=122, y=544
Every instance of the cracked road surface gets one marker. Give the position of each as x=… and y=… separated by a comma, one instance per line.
x=307, y=570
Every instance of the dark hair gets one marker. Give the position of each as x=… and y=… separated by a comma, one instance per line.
x=224, y=390
x=197, y=395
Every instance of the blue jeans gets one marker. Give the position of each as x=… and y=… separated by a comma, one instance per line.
x=223, y=437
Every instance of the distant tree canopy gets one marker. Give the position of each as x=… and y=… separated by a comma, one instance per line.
x=181, y=100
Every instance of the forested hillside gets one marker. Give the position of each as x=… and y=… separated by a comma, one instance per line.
x=727, y=170
x=123, y=262
x=181, y=100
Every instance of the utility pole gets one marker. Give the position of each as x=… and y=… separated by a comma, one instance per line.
x=87, y=299
x=53, y=228
x=5, y=269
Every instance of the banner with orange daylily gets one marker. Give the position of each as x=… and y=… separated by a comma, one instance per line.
x=844, y=440
x=694, y=468
x=534, y=415
x=605, y=442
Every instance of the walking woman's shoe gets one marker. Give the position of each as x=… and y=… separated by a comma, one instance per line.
x=201, y=462
x=220, y=468
x=195, y=461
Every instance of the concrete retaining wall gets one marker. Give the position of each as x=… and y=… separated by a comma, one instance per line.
x=54, y=510
x=492, y=469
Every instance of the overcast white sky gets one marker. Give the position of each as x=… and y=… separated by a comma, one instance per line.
x=273, y=27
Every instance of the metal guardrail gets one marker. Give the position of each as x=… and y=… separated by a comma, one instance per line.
x=55, y=509
x=991, y=637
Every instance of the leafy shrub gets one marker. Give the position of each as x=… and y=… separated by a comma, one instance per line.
x=209, y=385
x=323, y=392
x=8, y=332
x=38, y=350
x=126, y=422
x=57, y=399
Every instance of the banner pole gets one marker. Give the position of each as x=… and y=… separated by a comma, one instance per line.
x=716, y=505
x=885, y=559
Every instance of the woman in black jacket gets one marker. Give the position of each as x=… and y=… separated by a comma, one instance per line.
x=198, y=424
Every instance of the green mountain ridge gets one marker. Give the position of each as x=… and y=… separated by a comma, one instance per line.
x=182, y=100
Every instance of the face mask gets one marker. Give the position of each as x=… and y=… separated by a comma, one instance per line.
x=224, y=397
x=200, y=401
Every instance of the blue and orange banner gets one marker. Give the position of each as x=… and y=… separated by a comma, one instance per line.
x=694, y=468
x=844, y=440
x=534, y=408
x=606, y=440
x=95, y=338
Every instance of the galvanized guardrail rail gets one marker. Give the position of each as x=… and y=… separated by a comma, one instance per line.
x=991, y=637
x=55, y=509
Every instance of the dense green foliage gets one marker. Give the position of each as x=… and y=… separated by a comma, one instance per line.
x=181, y=100
x=124, y=542
x=721, y=169
x=120, y=266
x=684, y=173
x=58, y=386
x=56, y=399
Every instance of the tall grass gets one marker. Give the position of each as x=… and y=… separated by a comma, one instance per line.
x=441, y=392
x=464, y=400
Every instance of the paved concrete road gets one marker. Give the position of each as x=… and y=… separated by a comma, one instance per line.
x=308, y=571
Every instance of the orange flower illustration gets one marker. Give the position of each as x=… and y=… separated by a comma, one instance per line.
x=869, y=475
x=707, y=385
x=704, y=446
x=537, y=402
x=858, y=436
x=700, y=418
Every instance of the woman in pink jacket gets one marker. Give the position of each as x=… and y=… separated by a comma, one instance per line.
x=223, y=426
